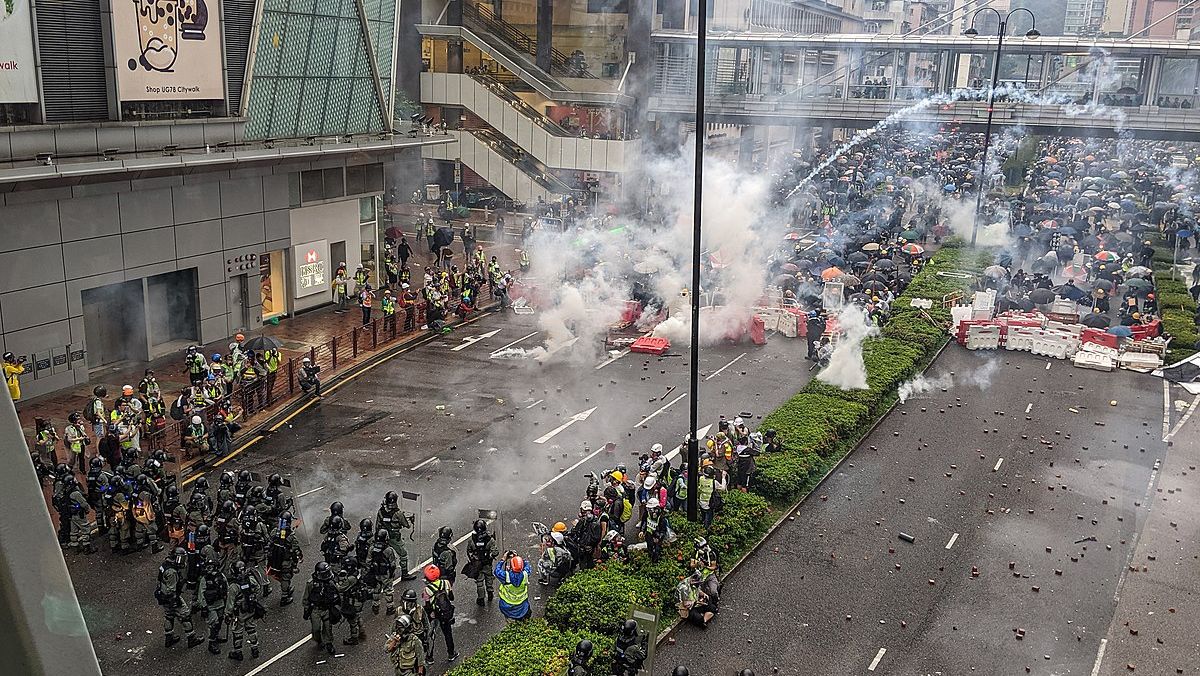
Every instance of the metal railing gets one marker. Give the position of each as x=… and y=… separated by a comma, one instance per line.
x=501, y=90
x=540, y=173
x=484, y=19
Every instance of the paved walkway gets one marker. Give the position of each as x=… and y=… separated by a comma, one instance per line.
x=299, y=335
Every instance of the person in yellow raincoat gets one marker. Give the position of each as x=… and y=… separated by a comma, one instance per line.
x=13, y=368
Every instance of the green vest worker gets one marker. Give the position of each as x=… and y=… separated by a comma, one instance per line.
x=514, y=586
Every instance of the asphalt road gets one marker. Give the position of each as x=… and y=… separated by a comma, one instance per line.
x=1025, y=513
x=384, y=431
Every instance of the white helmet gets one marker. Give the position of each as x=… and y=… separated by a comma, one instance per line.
x=738, y=421
x=196, y=420
x=652, y=503
x=650, y=482
x=557, y=537
x=585, y=506
x=656, y=449
x=306, y=360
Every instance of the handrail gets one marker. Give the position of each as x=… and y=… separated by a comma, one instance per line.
x=522, y=160
x=517, y=39
x=499, y=89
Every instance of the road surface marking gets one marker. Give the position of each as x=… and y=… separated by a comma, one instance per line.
x=260, y=668
x=331, y=390
x=1133, y=542
x=610, y=360
x=953, y=539
x=647, y=419
x=471, y=340
x=1047, y=366
x=534, y=404
x=1029, y=407
x=433, y=459
x=567, y=471
x=578, y=417
x=1166, y=408
x=718, y=371
x=1099, y=657
x=699, y=435
x=878, y=656
x=310, y=492
x=1184, y=419
x=494, y=352
x=998, y=463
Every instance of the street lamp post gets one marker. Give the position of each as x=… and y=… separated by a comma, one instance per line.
x=693, y=444
x=987, y=129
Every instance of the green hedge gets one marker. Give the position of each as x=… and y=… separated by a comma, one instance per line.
x=818, y=425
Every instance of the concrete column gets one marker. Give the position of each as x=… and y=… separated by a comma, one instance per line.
x=545, y=33
x=641, y=55
x=454, y=53
x=408, y=52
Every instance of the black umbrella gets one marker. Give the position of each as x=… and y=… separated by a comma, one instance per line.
x=885, y=264
x=260, y=343
x=858, y=257
x=1041, y=296
x=443, y=237
x=875, y=286
x=1095, y=321
x=874, y=277
x=1071, y=291
x=860, y=298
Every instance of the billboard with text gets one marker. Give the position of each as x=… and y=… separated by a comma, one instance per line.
x=167, y=49
x=18, y=77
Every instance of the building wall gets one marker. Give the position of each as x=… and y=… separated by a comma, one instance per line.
x=334, y=222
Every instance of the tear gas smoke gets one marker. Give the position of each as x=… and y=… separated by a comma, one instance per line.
x=980, y=377
x=846, y=368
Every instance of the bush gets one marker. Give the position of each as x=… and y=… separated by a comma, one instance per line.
x=911, y=327
x=781, y=476
x=813, y=422
x=528, y=648
x=743, y=520
x=598, y=599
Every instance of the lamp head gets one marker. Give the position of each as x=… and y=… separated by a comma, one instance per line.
x=971, y=32
x=1033, y=33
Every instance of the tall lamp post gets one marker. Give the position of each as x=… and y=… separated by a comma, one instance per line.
x=693, y=444
x=987, y=130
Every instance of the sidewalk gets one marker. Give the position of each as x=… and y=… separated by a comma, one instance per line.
x=334, y=341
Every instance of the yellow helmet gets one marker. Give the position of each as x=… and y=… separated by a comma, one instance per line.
x=559, y=527
x=618, y=476
x=706, y=463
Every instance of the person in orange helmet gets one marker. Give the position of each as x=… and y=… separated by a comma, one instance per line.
x=439, y=607
x=514, y=586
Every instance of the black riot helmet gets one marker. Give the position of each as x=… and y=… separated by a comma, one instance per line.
x=202, y=533
x=681, y=671
x=746, y=672
x=583, y=650
x=366, y=526
x=172, y=492
x=629, y=629
x=390, y=499
x=409, y=595
x=349, y=565
x=178, y=557
x=382, y=536
x=275, y=480
x=100, y=391
x=322, y=572
x=161, y=456
x=198, y=499
x=97, y=463
x=244, y=476
x=239, y=568
x=228, y=508
x=404, y=624
x=201, y=484
x=226, y=479
x=62, y=470
x=336, y=525
x=446, y=533
x=258, y=493
x=336, y=509
x=480, y=526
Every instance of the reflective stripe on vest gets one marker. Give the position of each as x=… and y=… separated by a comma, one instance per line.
x=514, y=594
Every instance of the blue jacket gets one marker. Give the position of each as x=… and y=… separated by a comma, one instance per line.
x=519, y=580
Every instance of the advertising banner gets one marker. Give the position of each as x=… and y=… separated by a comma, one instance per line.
x=18, y=78
x=311, y=263
x=167, y=49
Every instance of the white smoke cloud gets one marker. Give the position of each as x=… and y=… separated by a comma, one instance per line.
x=846, y=369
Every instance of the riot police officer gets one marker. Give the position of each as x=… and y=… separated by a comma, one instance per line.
x=396, y=521
x=284, y=556
x=381, y=570
x=321, y=601
x=212, y=601
x=481, y=555
x=169, y=595
x=353, y=594
x=245, y=609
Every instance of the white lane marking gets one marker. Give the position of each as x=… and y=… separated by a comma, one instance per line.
x=953, y=539
x=309, y=492
x=471, y=340
x=998, y=463
x=259, y=669
x=1047, y=366
x=1029, y=407
x=878, y=656
x=567, y=471
x=1099, y=657
x=1137, y=533
x=1184, y=419
x=610, y=360
x=648, y=418
x=699, y=435
x=1166, y=409
x=515, y=342
x=718, y=371
x=423, y=463
x=578, y=417
x=534, y=404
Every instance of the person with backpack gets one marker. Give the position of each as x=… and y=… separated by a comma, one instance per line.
x=444, y=555
x=481, y=553
x=321, y=605
x=169, y=595
x=212, y=601
x=439, y=607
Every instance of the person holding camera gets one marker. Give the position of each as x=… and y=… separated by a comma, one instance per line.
x=13, y=368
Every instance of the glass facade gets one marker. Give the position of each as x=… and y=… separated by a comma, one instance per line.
x=312, y=70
